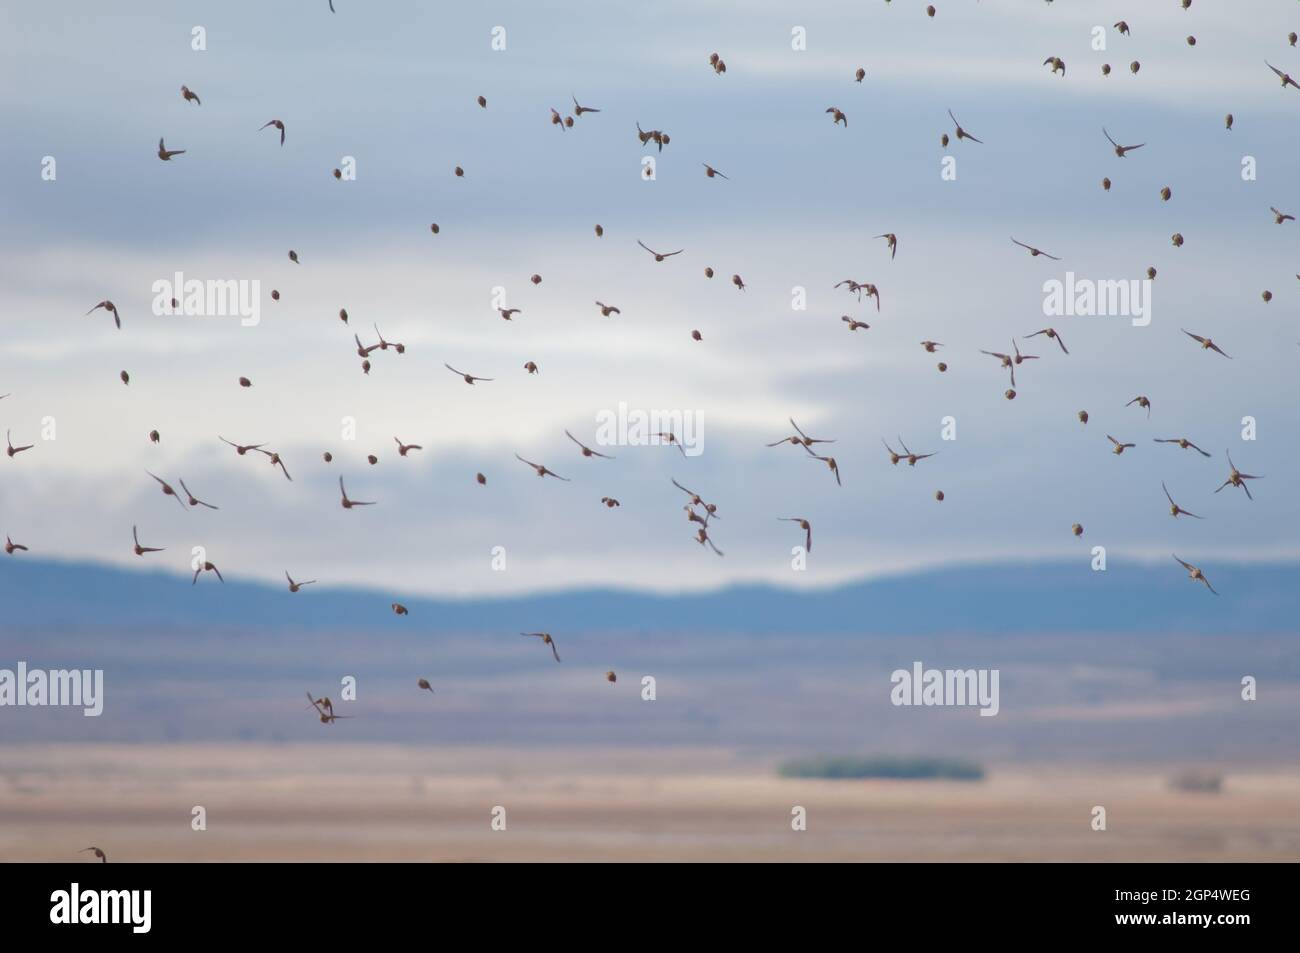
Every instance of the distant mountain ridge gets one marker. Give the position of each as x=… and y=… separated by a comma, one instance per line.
x=990, y=599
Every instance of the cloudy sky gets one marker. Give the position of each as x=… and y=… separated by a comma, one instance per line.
x=394, y=86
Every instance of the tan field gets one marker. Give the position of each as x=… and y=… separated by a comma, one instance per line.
x=376, y=803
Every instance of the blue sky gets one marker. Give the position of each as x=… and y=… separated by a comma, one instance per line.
x=394, y=85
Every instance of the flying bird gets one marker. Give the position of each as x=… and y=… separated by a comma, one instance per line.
x=166, y=154
x=1193, y=573
x=1121, y=150
x=962, y=133
x=295, y=586
x=1285, y=77
x=278, y=125
x=546, y=640
x=347, y=503
x=168, y=491
x=1237, y=478
x=542, y=471
x=1035, y=252
x=586, y=450
x=137, y=548
x=1182, y=442
x=1119, y=448
x=1051, y=333
x=1174, y=509
x=469, y=378
x=659, y=256
x=13, y=451
x=111, y=309
x=1206, y=343
x=803, y=525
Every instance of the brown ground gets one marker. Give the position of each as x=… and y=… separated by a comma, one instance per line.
x=354, y=802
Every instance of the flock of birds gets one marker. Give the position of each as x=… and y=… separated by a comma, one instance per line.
x=700, y=514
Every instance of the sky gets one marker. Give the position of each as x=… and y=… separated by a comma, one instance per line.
x=394, y=85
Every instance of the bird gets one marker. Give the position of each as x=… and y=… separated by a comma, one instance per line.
x=610, y=502
x=1280, y=217
x=11, y=547
x=13, y=451
x=404, y=448
x=241, y=450
x=1122, y=27
x=1141, y=401
x=1182, y=442
x=557, y=119
x=1035, y=252
x=530, y=367
x=659, y=256
x=578, y=109
x=853, y=323
x=293, y=257
x=166, y=154
x=103, y=858
x=278, y=125
x=838, y=116
x=861, y=288
x=803, y=525
x=1193, y=573
x=1237, y=478
x=295, y=586
x=386, y=345
x=1206, y=343
x=277, y=462
x=1057, y=64
x=702, y=537
x=1119, y=448
x=424, y=684
x=1121, y=150
x=347, y=503
x=611, y=677
x=206, y=567
x=137, y=548
x=892, y=241
x=111, y=309
x=325, y=708
x=1174, y=509
x=710, y=508
x=1051, y=333
x=830, y=462
x=546, y=640
x=1006, y=361
x=542, y=471
x=1285, y=77
x=962, y=133
x=719, y=67
x=399, y=609
x=607, y=309
x=860, y=75
x=190, y=96
x=911, y=457
x=711, y=172
x=894, y=457
x=168, y=491
x=586, y=450
x=799, y=439
x=930, y=346
x=469, y=378
x=506, y=313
